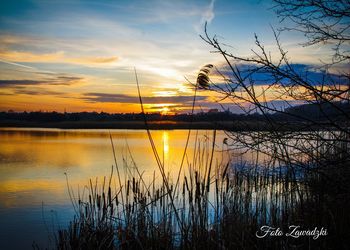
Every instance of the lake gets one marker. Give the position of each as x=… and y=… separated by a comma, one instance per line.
x=34, y=200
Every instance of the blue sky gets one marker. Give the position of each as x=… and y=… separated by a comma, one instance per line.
x=53, y=54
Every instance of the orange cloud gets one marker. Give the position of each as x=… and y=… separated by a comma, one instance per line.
x=92, y=60
x=56, y=57
x=21, y=56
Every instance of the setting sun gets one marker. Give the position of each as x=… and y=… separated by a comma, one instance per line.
x=164, y=110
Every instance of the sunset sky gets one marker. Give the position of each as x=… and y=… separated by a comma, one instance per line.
x=80, y=55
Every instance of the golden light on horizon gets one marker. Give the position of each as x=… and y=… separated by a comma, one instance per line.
x=164, y=110
x=164, y=93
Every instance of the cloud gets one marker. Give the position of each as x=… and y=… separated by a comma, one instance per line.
x=11, y=83
x=312, y=74
x=207, y=16
x=39, y=92
x=16, y=64
x=92, y=60
x=25, y=49
x=122, y=98
x=54, y=57
x=22, y=56
x=59, y=80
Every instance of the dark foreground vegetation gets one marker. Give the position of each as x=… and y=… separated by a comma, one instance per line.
x=215, y=206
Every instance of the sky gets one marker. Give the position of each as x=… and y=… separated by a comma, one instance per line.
x=80, y=55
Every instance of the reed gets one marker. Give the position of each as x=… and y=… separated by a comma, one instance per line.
x=217, y=205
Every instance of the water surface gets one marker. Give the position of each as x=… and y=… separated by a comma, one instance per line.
x=34, y=200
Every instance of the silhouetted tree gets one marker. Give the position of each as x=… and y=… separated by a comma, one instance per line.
x=321, y=21
x=269, y=84
x=306, y=125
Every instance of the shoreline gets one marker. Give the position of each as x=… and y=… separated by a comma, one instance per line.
x=164, y=125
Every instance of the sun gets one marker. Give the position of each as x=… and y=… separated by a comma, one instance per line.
x=164, y=110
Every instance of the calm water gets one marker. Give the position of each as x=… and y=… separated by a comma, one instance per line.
x=34, y=200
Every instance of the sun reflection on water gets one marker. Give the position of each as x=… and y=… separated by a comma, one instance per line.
x=165, y=139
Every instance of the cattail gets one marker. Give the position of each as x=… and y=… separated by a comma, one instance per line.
x=104, y=200
x=203, y=76
x=127, y=188
x=227, y=183
x=111, y=210
x=109, y=196
x=186, y=184
x=116, y=200
x=225, y=170
x=98, y=201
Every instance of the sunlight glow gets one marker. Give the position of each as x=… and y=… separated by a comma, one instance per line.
x=164, y=110
x=165, y=139
x=164, y=93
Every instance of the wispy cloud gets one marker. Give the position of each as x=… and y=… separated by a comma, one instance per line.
x=207, y=16
x=54, y=57
x=122, y=98
x=36, y=92
x=58, y=80
x=16, y=64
